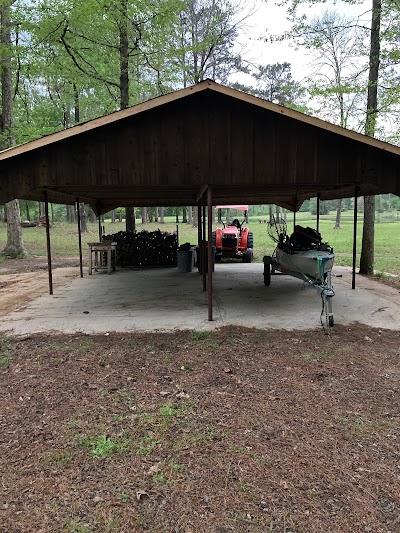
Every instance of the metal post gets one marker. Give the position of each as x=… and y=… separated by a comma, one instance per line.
x=46, y=210
x=79, y=236
x=199, y=258
x=318, y=210
x=100, y=232
x=199, y=223
x=203, y=249
x=294, y=220
x=353, y=278
x=209, y=252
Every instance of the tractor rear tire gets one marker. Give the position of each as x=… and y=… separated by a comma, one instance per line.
x=214, y=238
x=248, y=256
x=250, y=240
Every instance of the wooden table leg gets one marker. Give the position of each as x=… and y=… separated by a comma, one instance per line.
x=90, y=261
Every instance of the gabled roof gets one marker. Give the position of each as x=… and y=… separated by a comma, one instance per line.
x=162, y=152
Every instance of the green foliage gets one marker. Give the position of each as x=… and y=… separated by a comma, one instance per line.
x=76, y=526
x=200, y=335
x=59, y=458
x=5, y=352
x=102, y=446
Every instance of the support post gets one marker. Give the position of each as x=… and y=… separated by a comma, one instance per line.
x=294, y=219
x=199, y=224
x=353, y=274
x=46, y=210
x=199, y=243
x=318, y=209
x=79, y=236
x=203, y=249
x=100, y=231
x=209, y=252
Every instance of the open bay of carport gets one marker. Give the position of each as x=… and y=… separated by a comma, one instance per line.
x=162, y=299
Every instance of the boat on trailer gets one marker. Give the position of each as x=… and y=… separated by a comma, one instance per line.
x=303, y=255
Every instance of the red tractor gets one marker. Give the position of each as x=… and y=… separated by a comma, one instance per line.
x=233, y=240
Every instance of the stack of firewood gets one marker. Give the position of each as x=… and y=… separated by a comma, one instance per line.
x=144, y=248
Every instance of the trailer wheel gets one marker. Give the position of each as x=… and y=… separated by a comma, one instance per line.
x=331, y=321
x=267, y=275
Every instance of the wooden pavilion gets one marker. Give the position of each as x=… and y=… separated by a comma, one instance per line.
x=202, y=145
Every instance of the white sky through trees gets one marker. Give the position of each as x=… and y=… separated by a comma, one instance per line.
x=267, y=19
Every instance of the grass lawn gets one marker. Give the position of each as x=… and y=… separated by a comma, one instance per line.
x=64, y=238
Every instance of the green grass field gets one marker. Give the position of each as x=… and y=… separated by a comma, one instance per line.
x=64, y=237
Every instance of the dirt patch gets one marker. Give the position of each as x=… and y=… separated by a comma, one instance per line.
x=235, y=430
x=19, y=286
x=23, y=280
x=33, y=264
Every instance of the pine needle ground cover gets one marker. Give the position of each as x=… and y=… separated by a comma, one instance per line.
x=237, y=430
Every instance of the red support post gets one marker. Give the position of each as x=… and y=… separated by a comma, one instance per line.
x=79, y=236
x=209, y=253
x=46, y=210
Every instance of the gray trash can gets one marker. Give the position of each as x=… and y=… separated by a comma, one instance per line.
x=185, y=260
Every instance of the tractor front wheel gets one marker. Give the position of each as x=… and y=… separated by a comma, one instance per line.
x=248, y=256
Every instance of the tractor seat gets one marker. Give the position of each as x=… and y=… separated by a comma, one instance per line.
x=235, y=223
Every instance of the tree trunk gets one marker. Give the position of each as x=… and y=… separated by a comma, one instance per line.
x=15, y=245
x=144, y=215
x=190, y=215
x=195, y=216
x=28, y=215
x=130, y=221
x=367, y=250
x=71, y=214
x=162, y=215
x=156, y=214
x=184, y=215
x=177, y=216
x=90, y=214
x=76, y=104
x=113, y=216
x=124, y=86
x=52, y=213
x=83, y=212
x=338, y=213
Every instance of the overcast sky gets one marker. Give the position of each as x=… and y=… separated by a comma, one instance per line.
x=270, y=18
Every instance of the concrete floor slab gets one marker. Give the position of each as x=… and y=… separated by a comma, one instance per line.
x=162, y=299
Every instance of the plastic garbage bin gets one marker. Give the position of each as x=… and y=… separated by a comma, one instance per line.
x=185, y=260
